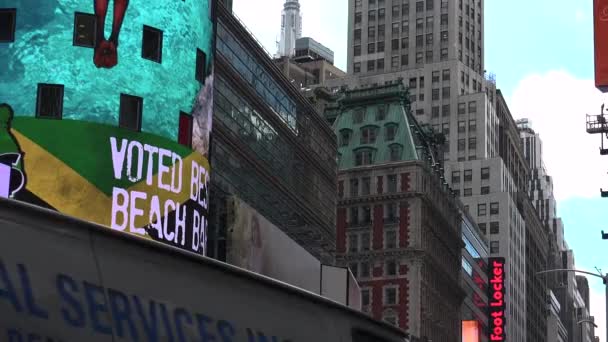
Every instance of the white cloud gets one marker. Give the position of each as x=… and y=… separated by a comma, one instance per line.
x=598, y=310
x=557, y=102
x=324, y=21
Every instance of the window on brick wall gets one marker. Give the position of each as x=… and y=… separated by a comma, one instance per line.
x=364, y=270
x=391, y=183
x=354, y=215
x=390, y=295
x=365, y=186
x=354, y=187
x=353, y=243
x=391, y=212
x=365, y=241
x=390, y=239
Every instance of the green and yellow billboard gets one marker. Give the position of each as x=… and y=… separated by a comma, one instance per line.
x=105, y=112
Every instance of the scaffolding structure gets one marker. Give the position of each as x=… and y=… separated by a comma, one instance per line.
x=598, y=124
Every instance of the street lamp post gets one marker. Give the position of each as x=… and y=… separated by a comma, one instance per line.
x=603, y=277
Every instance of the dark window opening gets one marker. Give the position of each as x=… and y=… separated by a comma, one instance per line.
x=84, y=29
x=131, y=108
x=185, y=129
x=152, y=44
x=201, y=61
x=8, y=19
x=49, y=102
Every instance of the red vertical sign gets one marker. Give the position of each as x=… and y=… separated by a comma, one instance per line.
x=600, y=19
x=496, y=296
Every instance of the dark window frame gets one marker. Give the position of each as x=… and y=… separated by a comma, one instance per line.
x=75, y=39
x=121, y=122
x=13, y=28
x=158, y=55
x=201, y=66
x=39, y=100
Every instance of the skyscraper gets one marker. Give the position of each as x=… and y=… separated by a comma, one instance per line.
x=291, y=28
x=436, y=47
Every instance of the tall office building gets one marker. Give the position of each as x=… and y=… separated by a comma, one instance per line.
x=291, y=28
x=436, y=46
x=398, y=224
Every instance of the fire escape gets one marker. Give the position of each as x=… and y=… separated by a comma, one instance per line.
x=597, y=124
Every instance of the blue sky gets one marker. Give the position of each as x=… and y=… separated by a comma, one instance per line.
x=542, y=54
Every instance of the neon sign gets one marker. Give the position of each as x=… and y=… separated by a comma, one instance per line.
x=496, y=295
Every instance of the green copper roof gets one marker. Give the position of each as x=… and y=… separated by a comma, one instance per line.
x=375, y=126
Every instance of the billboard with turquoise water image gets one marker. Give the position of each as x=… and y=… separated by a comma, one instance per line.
x=106, y=111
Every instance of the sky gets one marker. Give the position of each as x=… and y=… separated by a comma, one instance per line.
x=542, y=54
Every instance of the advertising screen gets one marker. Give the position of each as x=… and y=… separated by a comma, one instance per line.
x=470, y=331
x=105, y=113
x=496, y=296
x=600, y=14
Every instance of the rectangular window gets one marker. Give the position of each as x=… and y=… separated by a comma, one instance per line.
x=357, y=66
x=494, y=208
x=419, y=41
x=371, y=48
x=445, y=74
x=395, y=44
x=405, y=42
x=395, y=28
x=357, y=35
x=371, y=15
x=380, y=46
x=405, y=27
x=429, y=56
x=435, y=97
x=391, y=130
x=354, y=216
x=444, y=19
x=435, y=77
x=468, y=175
x=345, y=137
x=358, y=17
x=445, y=110
x=404, y=59
x=364, y=268
x=390, y=296
x=435, y=111
x=485, y=173
x=131, y=108
x=413, y=83
x=395, y=62
x=395, y=151
x=429, y=5
x=365, y=186
x=405, y=9
x=462, y=108
x=494, y=247
x=365, y=242
x=494, y=227
x=381, y=113
x=201, y=65
x=429, y=23
x=381, y=32
x=468, y=192
x=49, y=101
x=444, y=36
x=359, y=116
x=152, y=44
x=462, y=126
x=419, y=57
x=365, y=297
x=8, y=20
x=485, y=190
x=390, y=242
x=381, y=14
x=371, y=33
x=367, y=215
x=353, y=243
x=391, y=183
x=455, y=177
x=380, y=62
x=419, y=111
x=354, y=187
x=84, y=29
x=354, y=267
x=472, y=143
x=472, y=107
x=391, y=268
x=185, y=129
x=482, y=209
x=472, y=125
x=391, y=212
x=395, y=11
x=419, y=6
x=461, y=144
x=371, y=65
x=445, y=129
x=444, y=54
x=445, y=93
x=482, y=228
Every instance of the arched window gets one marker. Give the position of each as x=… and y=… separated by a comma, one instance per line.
x=390, y=131
x=345, y=136
x=395, y=152
x=368, y=134
x=364, y=157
